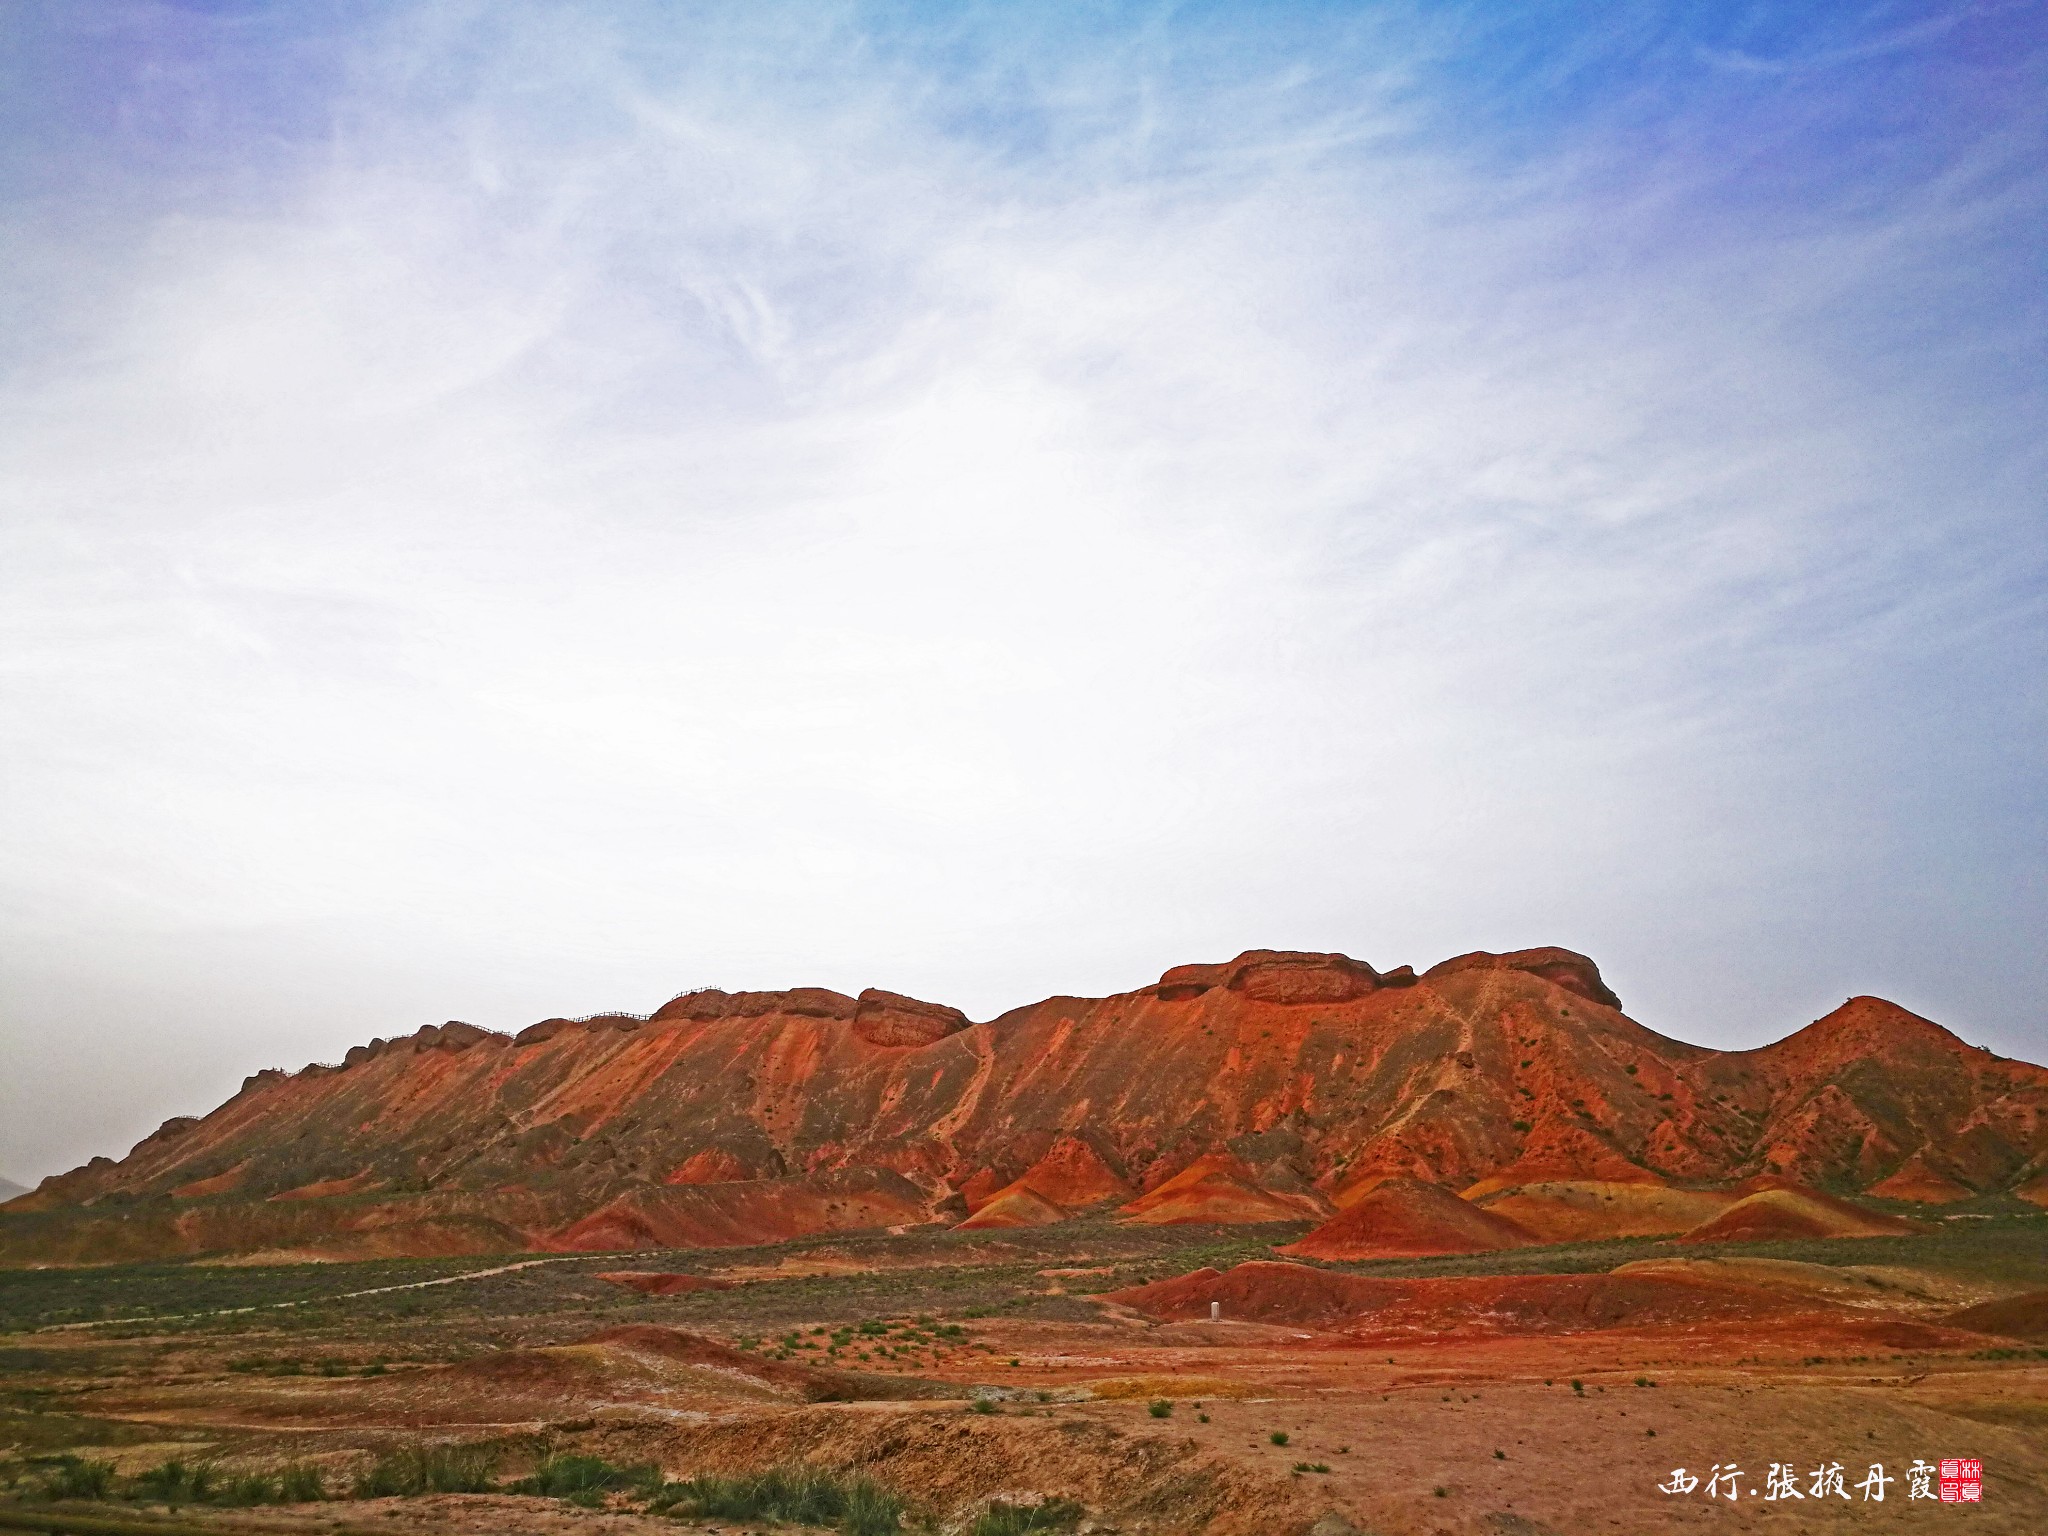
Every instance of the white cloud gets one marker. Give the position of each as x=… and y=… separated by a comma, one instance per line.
x=617, y=526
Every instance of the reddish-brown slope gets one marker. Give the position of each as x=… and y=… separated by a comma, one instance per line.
x=2012, y=1317
x=1406, y=1218
x=1070, y=1177
x=1918, y=1181
x=1589, y=1210
x=1014, y=1207
x=751, y=1211
x=1477, y=1305
x=1218, y=1188
x=1853, y=1096
x=1794, y=1213
x=1314, y=1072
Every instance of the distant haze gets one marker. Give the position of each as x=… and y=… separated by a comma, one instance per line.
x=511, y=510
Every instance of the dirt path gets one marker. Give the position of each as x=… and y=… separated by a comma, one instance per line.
x=307, y=1301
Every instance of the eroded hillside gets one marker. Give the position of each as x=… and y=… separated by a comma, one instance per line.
x=1274, y=1087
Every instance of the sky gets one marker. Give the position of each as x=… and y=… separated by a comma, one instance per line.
x=518, y=510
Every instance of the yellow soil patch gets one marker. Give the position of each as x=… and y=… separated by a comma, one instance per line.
x=1117, y=1388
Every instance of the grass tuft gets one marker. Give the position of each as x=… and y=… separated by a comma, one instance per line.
x=1003, y=1519
x=429, y=1469
x=74, y=1477
x=798, y=1495
x=586, y=1479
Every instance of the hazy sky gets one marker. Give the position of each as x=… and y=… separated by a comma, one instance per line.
x=512, y=509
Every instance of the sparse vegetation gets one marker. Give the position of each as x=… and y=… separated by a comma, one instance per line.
x=1278, y=1437
x=73, y=1477
x=300, y=1483
x=429, y=1469
x=1160, y=1408
x=176, y=1482
x=796, y=1494
x=1001, y=1519
x=586, y=1480
x=878, y=1311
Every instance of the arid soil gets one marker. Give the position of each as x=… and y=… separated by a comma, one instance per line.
x=1593, y=1372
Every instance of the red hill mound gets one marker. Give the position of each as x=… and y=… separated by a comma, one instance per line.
x=1794, y=1213
x=1920, y=1181
x=1071, y=1176
x=1594, y=1210
x=1261, y=1292
x=1014, y=1207
x=752, y=1211
x=1462, y=1306
x=1406, y=1218
x=2010, y=1317
x=1217, y=1188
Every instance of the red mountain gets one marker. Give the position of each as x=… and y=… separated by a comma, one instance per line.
x=728, y=1118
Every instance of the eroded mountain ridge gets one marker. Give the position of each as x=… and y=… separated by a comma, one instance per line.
x=1268, y=1088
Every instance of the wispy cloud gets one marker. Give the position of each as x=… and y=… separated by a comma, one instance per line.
x=637, y=498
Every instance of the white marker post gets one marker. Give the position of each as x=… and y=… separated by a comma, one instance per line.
x=1215, y=1311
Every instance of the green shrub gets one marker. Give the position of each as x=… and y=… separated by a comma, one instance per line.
x=797, y=1494
x=871, y=1509
x=429, y=1469
x=300, y=1483
x=982, y=1405
x=1001, y=1519
x=1278, y=1437
x=247, y=1488
x=1161, y=1409
x=580, y=1477
x=177, y=1482
x=74, y=1478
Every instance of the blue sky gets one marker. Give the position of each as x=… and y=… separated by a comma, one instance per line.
x=512, y=510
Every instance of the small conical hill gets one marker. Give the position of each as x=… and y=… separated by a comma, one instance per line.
x=1407, y=1218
